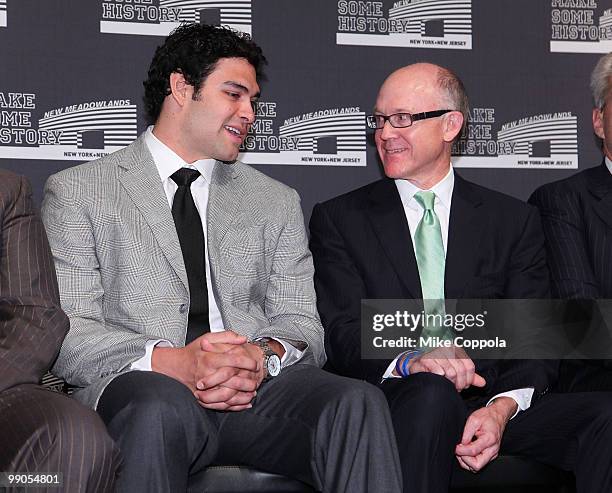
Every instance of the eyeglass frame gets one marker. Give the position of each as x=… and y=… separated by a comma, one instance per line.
x=371, y=122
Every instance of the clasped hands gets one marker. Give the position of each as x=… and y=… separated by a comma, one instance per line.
x=222, y=369
x=485, y=427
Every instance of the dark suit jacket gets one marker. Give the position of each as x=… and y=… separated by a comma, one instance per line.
x=577, y=219
x=362, y=249
x=32, y=325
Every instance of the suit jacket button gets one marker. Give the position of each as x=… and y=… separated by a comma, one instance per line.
x=183, y=308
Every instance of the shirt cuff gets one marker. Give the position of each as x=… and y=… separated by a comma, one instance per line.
x=522, y=397
x=144, y=363
x=292, y=354
x=389, y=372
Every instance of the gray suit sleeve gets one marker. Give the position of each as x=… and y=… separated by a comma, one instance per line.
x=93, y=348
x=290, y=296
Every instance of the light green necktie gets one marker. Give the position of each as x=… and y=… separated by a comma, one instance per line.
x=431, y=262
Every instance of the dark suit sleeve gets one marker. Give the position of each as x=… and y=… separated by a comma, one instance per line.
x=527, y=281
x=32, y=324
x=528, y=276
x=568, y=258
x=340, y=289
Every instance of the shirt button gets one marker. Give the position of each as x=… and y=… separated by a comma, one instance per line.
x=183, y=308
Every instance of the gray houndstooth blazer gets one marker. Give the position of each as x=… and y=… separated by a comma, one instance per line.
x=121, y=274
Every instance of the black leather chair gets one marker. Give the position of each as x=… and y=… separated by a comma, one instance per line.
x=239, y=479
x=507, y=474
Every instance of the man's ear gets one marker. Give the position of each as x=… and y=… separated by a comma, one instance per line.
x=598, y=124
x=453, y=123
x=180, y=90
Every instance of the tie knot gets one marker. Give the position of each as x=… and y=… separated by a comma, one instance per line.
x=425, y=199
x=184, y=177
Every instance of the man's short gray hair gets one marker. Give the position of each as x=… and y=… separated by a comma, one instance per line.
x=600, y=80
x=451, y=84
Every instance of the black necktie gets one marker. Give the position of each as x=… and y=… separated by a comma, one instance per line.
x=191, y=237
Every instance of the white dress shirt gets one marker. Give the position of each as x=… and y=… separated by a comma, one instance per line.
x=609, y=164
x=167, y=163
x=442, y=204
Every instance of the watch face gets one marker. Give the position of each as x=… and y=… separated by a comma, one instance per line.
x=274, y=365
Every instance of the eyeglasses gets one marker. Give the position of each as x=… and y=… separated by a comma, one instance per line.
x=402, y=120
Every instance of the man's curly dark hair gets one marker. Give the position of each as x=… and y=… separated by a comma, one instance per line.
x=193, y=50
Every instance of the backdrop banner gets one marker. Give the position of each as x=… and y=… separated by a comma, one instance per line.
x=71, y=86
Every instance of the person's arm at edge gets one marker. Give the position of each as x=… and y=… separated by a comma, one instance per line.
x=32, y=325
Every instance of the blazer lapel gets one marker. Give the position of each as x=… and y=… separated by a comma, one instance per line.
x=386, y=214
x=464, y=230
x=224, y=199
x=599, y=183
x=141, y=182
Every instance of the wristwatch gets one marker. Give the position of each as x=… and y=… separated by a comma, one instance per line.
x=271, y=361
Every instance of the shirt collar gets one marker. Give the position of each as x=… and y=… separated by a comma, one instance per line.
x=609, y=164
x=168, y=162
x=443, y=189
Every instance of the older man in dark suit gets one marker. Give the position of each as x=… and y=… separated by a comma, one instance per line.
x=42, y=431
x=425, y=233
x=577, y=218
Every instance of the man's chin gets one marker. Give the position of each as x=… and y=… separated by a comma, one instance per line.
x=228, y=157
x=393, y=171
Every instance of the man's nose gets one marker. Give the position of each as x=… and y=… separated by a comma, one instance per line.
x=247, y=112
x=387, y=131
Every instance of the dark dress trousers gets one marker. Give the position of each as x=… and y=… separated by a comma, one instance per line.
x=41, y=430
x=577, y=218
x=362, y=249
